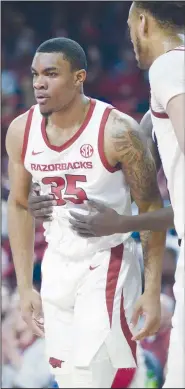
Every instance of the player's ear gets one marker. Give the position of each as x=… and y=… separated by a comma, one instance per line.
x=80, y=76
x=143, y=26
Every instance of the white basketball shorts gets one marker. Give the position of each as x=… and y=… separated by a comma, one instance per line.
x=88, y=303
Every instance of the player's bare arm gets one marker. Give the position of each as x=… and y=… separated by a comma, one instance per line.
x=161, y=219
x=20, y=221
x=146, y=128
x=130, y=149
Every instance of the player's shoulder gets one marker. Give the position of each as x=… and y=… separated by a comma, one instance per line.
x=121, y=121
x=18, y=123
x=118, y=128
x=15, y=133
x=166, y=63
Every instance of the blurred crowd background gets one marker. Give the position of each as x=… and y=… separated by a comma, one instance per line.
x=113, y=76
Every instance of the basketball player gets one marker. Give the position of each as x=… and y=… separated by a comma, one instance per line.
x=157, y=34
x=80, y=149
x=99, y=224
x=41, y=208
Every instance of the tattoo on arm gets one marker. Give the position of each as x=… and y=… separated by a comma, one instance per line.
x=145, y=236
x=153, y=250
x=138, y=165
x=131, y=149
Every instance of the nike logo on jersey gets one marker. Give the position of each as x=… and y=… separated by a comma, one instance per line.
x=93, y=267
x=36, y=152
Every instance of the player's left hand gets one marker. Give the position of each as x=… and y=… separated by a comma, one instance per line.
x=149, y=306
x=105, y=221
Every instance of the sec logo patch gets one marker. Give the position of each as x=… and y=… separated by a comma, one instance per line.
x=86, y=151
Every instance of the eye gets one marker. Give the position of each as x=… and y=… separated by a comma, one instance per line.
x=52, y=75
x=34, y=74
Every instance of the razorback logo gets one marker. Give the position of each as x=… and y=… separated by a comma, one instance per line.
x=55, y=362
x=61, y=166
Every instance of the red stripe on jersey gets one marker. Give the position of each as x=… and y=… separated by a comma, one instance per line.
x=102, y=155
x=123, y=378
x=26, y=133
x=160, y=115
x=112, y=277
x=111, y=284
x=126, y=330
x=75, y=136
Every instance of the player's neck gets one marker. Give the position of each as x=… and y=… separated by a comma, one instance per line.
x=72, y=115
x=165, y=43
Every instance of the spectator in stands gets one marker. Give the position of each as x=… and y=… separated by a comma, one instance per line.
x=24, y=363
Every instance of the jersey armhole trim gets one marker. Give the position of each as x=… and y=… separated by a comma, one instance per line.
x=179, y=48
x=160, y=115
x=26, y=133
x=102, y=155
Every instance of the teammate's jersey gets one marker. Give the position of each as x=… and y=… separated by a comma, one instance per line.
x=167, y=80
x=75, y=172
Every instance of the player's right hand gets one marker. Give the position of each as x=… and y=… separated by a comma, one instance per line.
x=40, y=206
x=149, y=306
x=31, y=311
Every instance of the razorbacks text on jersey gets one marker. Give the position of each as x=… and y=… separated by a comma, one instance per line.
x=75, y=172
x=167, y=80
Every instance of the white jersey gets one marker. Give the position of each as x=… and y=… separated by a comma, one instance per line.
x=75, y=172
x=167, y=80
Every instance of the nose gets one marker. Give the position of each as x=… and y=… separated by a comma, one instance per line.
x=39, y=83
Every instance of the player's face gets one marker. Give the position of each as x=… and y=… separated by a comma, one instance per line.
x=55, y=84
x=139, y=37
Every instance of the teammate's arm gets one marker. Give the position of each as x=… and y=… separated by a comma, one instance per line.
x=20, y=221
x=140, y=172
x=146, y=127
x=175, y=111
x=161, y=219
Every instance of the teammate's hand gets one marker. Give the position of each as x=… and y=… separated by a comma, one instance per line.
x=148, y=305
x=40, y=206
x=106, y=221
x=31, y=311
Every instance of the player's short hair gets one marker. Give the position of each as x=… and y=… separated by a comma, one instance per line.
x=167, y=13
x=70, y=49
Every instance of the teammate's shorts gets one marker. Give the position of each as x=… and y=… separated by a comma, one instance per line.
x=88, y=304
x=175, y=377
